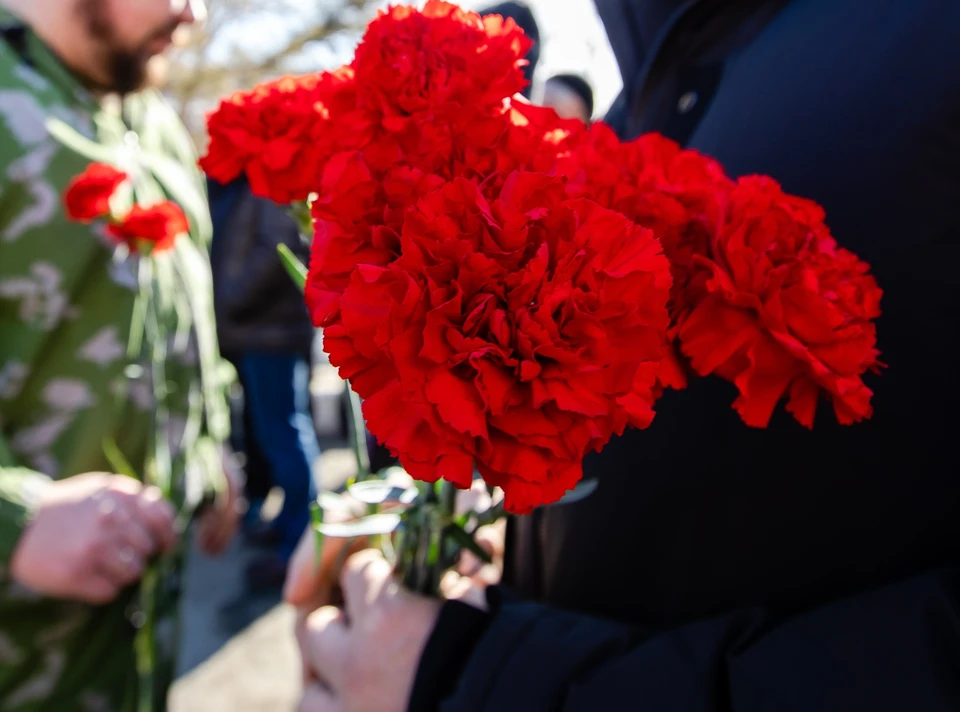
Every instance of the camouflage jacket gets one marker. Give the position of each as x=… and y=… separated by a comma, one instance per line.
x=68, y=375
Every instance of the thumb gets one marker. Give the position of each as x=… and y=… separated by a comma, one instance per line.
x=312, y=584
x=303, y=575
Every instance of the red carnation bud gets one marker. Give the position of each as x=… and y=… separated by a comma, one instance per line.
x=157, y=226
x=88, y=195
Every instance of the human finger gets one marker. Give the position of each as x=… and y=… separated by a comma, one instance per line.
x=364, y=580
x=318, y=699
x=455, y=587
x=324, y=645
x=469, y=563
x=158, y=516
x=97, y=589
x=303, y=574
x=120, y=563
x=309, y=584
x=135, y=534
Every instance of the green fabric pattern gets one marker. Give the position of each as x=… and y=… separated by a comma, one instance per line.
x=67, y=377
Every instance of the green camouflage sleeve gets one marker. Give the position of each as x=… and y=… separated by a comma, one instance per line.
x=19, y=487
x=19, y=490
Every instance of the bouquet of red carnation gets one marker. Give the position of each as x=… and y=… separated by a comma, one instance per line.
x=507, y=290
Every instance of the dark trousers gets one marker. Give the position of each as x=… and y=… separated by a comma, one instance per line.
x=277, y=402
x=259, y=480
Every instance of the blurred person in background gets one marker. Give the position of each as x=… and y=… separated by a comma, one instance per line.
x=257, y=481
x=75, y=540
x=265, y=330
x=570, y=95
x=523, y=16
x=717, y=567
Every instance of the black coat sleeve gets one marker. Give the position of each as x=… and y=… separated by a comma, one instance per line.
x=893, y=648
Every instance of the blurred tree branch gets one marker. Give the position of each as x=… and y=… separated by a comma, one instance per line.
x=209, y=65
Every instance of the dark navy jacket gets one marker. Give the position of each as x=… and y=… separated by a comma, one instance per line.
x=257, y=305
x=718, y=567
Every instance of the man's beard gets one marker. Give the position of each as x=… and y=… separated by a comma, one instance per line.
x=126, y=71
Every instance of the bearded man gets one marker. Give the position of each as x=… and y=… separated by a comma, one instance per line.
x=74, y=539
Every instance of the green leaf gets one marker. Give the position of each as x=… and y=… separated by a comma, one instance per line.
x=316, y=516
x=380, y=492
x=295, y=268
x=332, y=502
x=467, y=541
x=374, y=525
x=118, y=462
x=584, y=489
x=178, y=182
x=72, y=139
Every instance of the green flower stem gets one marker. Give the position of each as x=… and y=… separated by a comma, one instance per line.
x=145, y=642
x=429, y=538
x=316, y=516
x=300, y=212
x=295, y=268
x=425, y=541
x=298, y=273
x=358, y=435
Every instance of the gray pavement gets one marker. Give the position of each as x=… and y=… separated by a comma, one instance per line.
x=238, y=653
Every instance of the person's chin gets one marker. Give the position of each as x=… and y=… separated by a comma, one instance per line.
x=158, y=46
x=156, y=72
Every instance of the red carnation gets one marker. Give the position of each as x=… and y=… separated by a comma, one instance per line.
x=357, y=220
x=88, y=194
x=679, y=194
x=512, y=336
x=158, y=225
x=278, y=133
x=522, y=137
x=439, y=62
x=430, y=83
x=786, y=312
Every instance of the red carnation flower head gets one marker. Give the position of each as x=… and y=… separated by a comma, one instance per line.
x=512, y=336
x=279, y=134
x=679, y=194
x=522, y=137
x=357, y=220
x=88, y=195
x=155, y=227
x=787, y=313
x=439, y=62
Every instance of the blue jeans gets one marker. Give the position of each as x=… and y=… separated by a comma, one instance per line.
x=278, y=392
